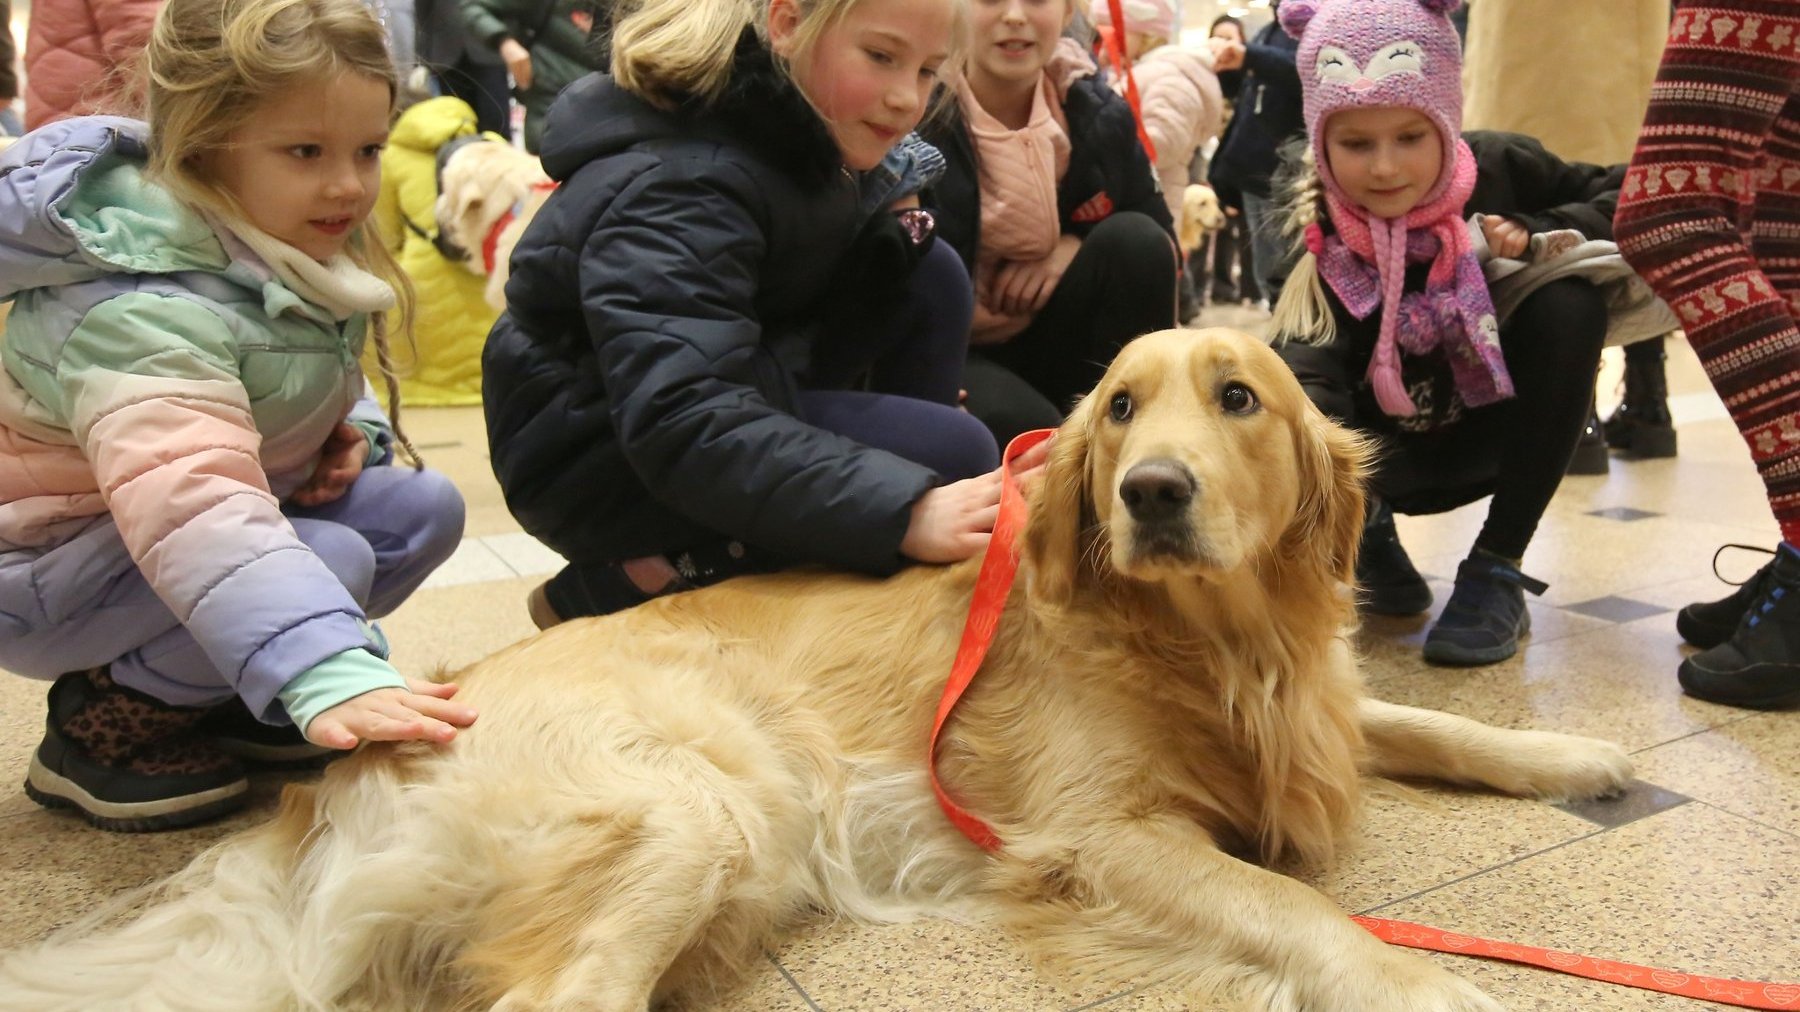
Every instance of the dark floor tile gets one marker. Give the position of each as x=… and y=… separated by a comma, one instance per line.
x=1616, y=609
x=1626, y=513
x=1640, y=799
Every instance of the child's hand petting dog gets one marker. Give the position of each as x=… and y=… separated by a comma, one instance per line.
x=954, y=522
x=421, y=711
x=339, y=465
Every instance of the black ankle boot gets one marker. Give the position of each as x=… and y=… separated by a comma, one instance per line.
x=1590, y=456
x=1642, y=428
x=128, y=762
x=1759, y=666
x=1387, y=582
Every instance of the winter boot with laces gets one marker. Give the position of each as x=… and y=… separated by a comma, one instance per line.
x=1642, y=427
x=1485, y=617
x=1387, y=582
x=1759, y=666
x=1707, y=624
x=129, y=762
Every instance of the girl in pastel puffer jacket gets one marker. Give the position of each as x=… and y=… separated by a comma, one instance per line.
x=193, y=531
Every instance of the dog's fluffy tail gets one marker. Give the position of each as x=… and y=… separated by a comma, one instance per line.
x=297, y=913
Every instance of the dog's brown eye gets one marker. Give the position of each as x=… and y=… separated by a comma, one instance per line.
x=1121, y=407
x=1238, y=399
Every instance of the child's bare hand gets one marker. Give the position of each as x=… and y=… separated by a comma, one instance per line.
x=953, y=522
x=340, y=463
x=1022, y=287
x=1505, y=237
x=421, y=711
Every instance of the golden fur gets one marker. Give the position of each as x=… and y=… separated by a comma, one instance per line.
x=481, y=182
x=1170, y=705
x=1200, y=216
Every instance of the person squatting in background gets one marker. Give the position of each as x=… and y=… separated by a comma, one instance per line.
x=199, y=521
x=666, y=391
x=1052, y=204
x=1389, y=322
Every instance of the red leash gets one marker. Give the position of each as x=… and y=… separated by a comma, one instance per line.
x=993, y=584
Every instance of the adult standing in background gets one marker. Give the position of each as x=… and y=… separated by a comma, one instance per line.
x=1525, y=59
x=79, y=56
x=461, y=66
x=543, y=44
x=1267, y=115
x=1706, y=216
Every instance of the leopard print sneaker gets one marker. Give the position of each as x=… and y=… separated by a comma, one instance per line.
x=127, y=762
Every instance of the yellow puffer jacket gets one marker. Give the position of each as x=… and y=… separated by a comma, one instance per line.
x=452, y=317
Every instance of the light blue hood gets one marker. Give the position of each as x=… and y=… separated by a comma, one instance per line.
x=75, y=206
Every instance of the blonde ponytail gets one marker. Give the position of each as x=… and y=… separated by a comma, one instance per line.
x=671, y=51
x=1302, y=313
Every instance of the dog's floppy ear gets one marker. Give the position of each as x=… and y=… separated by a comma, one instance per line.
x=1053, y=534
x=1334, y=463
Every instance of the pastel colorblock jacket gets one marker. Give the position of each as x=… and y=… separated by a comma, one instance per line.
x=149, y=376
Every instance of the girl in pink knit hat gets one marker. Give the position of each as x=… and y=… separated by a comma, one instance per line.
x=1388, y=320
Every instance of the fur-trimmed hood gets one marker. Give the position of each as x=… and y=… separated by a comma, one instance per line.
x=761, y=110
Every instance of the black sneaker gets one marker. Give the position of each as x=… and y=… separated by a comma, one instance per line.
x=1709, y=623
x=1485, y=617
x=127, y=762
x=1387, y=582
x=235, y=732
x=1759, y=666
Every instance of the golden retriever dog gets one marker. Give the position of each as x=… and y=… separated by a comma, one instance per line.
x=487, y=185
x=1169, y=709
x=1200, y=216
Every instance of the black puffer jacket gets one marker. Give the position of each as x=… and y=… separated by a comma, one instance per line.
x=1108, y=170
x=639, y=389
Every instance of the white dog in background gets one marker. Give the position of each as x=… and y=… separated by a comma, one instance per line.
x=488, y=192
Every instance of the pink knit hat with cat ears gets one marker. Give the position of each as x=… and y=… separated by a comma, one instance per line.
x=1363, y=53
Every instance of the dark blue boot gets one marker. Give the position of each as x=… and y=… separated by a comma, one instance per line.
x=1485, y=616
x=1759, y=666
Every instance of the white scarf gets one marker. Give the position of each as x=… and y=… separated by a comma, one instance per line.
x=338, y=286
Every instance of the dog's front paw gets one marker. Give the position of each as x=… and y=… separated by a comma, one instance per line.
x=1565, y=767
x=1412, y=983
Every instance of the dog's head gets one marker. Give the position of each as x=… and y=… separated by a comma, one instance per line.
x=1200, y=214
x=1196, y=455
x=480, y=182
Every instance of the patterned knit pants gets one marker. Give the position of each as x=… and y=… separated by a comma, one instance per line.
x=1710, y=216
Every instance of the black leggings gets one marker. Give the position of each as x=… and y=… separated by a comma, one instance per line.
x=1552, y=345
x=1120, y=285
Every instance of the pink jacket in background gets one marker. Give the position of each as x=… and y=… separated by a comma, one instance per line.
x=1182, y=107
x=78, y=56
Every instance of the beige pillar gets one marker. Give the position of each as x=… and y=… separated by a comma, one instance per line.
x=1575, y=74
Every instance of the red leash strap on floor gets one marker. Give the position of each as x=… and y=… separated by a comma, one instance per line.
x=992, y=585
x=1741, y=993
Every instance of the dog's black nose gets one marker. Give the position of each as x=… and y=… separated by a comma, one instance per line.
x=1157, y=491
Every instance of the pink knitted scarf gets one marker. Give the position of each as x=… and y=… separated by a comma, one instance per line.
x=1365, y=264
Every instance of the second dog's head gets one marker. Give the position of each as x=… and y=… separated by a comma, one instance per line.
x=1197, y=454
x=1200, y=214
x=480, y=183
